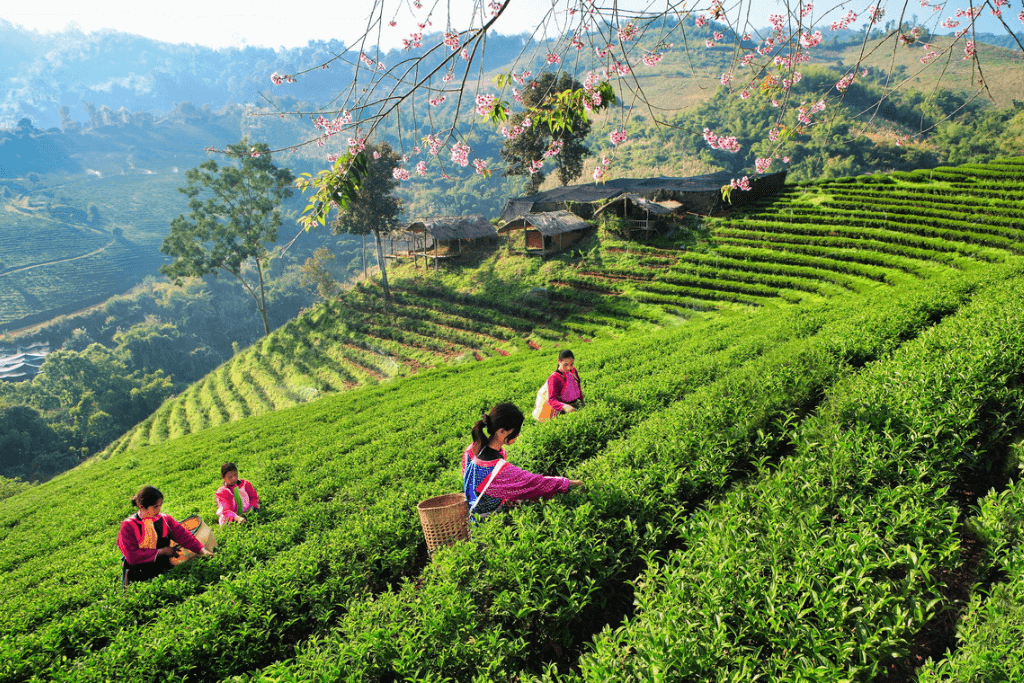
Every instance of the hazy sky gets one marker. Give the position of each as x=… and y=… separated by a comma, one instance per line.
x=222, y=23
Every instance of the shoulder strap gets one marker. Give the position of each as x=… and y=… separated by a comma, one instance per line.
x=487, y=483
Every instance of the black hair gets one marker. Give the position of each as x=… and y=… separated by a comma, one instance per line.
x=562, y=355
x=227, y=467
x=148, y=496
x=502, y=416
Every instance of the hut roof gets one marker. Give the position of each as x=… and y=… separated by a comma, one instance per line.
x=657, y=188
x=442, y=228
x=641, y=203
x=547, y=222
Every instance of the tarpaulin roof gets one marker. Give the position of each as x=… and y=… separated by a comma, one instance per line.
x=444, y=228
x=658, y=189
x=547, y=223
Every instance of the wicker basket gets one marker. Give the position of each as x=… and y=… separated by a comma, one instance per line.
x=445, y=519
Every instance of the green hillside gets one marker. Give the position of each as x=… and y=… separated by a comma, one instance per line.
x=791, y=436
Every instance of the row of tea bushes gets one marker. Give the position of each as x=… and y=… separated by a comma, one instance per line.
x=827, y=568
x=533, y=585
x=991, y=628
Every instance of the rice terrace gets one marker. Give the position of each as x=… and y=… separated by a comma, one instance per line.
x=800, y=455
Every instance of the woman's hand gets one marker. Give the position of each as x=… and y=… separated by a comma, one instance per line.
x=573, y=483
x=239, y=518
x=206, y=552
x=567, y=408
x=166, y=552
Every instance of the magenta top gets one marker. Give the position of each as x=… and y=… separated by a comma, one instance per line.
x=132, y=535
x=563, y=388
x=227, y=505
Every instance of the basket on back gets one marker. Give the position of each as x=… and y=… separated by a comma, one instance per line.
x=445, y=520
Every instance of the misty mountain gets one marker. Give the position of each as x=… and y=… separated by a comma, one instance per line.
x=83, y=73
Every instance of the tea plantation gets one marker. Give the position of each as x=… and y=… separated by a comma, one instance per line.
x=800, y=452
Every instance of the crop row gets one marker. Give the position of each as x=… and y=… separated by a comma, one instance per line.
x=938, y=223
x=825, y=267
x=965, y=207
x=778, y=233
x=829, y=567
x=427, y=416
x=529, y=590
x=761, y=273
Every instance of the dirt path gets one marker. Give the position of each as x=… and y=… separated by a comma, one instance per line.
x=18, y=269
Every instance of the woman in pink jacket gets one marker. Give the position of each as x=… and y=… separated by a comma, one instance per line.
x=489, y=481
x=145, y=538
x=235, y=496
x=564, y=392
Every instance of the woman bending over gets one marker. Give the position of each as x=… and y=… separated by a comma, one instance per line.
x=489, y=481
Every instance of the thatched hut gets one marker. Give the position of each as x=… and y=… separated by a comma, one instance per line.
x=640, y=215
x=546, y=233
x=439, y=237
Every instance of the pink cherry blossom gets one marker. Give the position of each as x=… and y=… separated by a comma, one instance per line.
x=741, y=184
x=552, y=58
x=460, y=153
x=617, y=136
x=722, y=142
x=484, y=104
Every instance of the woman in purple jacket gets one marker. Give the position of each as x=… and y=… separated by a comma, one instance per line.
x=489, y=481
x=145, y=538
x=564, y=392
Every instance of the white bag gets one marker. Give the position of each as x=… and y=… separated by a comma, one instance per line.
x=541, y=409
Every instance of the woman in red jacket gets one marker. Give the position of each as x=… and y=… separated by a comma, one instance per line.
x=564, y=392
x=145, y=538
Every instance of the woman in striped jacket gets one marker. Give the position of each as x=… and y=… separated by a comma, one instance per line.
x=489, y=481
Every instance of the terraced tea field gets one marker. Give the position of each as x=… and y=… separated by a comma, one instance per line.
x=799, y=452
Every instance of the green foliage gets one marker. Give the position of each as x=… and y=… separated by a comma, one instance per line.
x=234, y=217
x=554, y=113
x=776, y=492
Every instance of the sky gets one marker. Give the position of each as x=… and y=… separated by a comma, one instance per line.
x=224, y=23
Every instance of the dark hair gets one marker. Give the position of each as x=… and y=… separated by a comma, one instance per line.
x=148, y=496
x=502, y=416
x=227, y=467
x=563, y=354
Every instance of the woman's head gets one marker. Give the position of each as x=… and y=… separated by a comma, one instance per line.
x=229, y=473
x=566, y=360
x=505, y=421
x=148, y=500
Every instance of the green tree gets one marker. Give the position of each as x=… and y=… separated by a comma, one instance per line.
x=543, y=96
x=234, y=219
x=374, y=207
x=315, y=273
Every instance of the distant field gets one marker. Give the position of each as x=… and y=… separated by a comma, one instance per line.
x=66, y=243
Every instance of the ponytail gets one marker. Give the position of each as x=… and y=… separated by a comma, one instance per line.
x=502, y=416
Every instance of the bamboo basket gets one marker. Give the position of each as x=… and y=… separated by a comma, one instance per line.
x=445, y=520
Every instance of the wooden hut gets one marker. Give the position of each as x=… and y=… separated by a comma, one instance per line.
x=440, y=237
x=546, y=233
x=641, y=217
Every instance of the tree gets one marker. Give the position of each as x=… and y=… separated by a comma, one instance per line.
x=361, y=187
x=315, y=272
x=233, y=221
x=563, y=141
